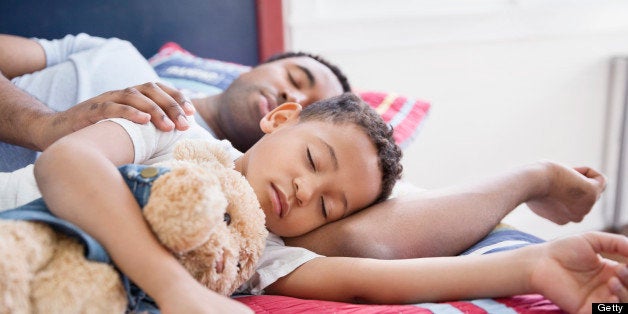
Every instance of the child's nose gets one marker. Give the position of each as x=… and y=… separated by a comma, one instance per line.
x=303, y=191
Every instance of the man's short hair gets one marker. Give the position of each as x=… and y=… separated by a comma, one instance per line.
x=346, y=87
x=349, y=108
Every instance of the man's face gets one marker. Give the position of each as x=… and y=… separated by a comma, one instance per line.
x=309, y=174
x=298, y=79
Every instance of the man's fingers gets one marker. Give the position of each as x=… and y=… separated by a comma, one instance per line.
x=166, y=103
x=164, y=106
x=146, y=101
x=173, y=108
x=185, y=103
x=110, y=109
x=590, y=173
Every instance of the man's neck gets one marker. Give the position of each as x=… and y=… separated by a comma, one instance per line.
x=207, y=108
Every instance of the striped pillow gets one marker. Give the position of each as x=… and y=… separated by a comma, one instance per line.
x=404, y=114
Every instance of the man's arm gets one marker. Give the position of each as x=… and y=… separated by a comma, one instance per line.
x=80, y=182
x=27, y=122
x=21, y=117
x=445, y=222
x=568, y=271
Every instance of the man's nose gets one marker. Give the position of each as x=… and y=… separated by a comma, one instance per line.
x=294, y=96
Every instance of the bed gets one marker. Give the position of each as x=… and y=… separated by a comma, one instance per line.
x=225, y=38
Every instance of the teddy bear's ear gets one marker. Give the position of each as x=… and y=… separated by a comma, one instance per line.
x=199, y=151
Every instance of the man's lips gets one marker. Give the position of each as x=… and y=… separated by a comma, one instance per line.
x=266, y=104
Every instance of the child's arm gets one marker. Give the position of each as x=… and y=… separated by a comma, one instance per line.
x=447, y=221
x=569, y=272
x=80, y=182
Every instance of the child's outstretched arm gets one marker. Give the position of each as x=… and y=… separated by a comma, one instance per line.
x=569, y=272
x=79, y=181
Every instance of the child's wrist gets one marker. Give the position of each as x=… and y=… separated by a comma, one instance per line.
x=533, y=256
x=176, y=289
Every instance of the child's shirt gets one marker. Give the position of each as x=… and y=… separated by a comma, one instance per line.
x=277, y=261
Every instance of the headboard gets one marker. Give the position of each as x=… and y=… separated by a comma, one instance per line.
x=241, y=31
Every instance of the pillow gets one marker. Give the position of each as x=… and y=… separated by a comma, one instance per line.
x=199, y=77
x=404, y=114
x=195, y=76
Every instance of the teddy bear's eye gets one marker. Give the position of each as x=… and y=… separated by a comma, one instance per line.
x=227, y=219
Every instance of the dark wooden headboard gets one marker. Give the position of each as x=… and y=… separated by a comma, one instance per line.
x=242, y=31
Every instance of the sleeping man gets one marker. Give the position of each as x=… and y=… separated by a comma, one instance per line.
x=106, y=78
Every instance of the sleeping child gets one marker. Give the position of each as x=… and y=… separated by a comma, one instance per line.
x=313, y=166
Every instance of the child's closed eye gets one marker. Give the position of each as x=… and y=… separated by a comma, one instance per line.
x=310, y=159
x=323, y=207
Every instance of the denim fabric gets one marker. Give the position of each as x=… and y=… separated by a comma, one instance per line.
x=140, y=186
x=38, y=211
x=15, y=157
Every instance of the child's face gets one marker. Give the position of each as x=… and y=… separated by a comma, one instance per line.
x=309, y=174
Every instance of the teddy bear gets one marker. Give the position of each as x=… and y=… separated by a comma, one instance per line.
x=202, y=210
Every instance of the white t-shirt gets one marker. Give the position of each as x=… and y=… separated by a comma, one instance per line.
x=81, y=67
x=277, y=261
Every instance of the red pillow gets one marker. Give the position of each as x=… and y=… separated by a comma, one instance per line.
x=404, y=114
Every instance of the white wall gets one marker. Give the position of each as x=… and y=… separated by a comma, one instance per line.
x=510, y=82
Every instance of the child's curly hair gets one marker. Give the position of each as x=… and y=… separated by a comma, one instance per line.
x=349, y=108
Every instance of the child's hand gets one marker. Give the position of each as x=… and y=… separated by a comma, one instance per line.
x=573, y=275
x=570, y=193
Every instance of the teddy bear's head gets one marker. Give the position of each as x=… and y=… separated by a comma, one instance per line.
x=207, y=214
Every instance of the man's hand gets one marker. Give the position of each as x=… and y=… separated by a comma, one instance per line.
x=164, y=106
x=570, y=193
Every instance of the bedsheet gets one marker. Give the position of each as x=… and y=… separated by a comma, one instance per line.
x=532, y=303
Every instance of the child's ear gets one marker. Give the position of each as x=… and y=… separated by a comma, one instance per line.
x=284, y=114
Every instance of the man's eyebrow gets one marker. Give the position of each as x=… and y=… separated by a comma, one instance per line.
x=308, y=73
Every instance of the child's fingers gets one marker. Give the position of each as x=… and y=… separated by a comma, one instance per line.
x=622, y=274
x=603, y=242
x=618, y=289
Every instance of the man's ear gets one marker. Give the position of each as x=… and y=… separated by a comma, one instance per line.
x=284, y=114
